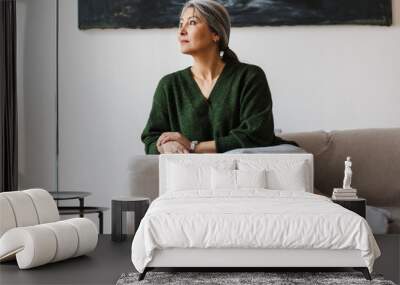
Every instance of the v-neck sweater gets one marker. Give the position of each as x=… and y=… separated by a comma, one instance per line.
x=237, y=113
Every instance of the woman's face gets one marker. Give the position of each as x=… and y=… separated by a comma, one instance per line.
x=194, y=34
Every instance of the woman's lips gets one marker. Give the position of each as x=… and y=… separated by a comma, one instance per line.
x=184, y=42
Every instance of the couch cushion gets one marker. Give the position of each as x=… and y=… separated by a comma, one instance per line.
x=375, y=155
x=282, y=148
x=313, y=142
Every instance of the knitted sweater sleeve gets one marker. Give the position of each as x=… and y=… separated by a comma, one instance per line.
x=256, y=126
x=158, y=121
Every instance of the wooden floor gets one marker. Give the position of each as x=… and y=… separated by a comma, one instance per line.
x=111, y=259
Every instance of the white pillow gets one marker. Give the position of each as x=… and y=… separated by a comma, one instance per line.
x=237, y=179
x=281, y=175
x=251, y=178
x=185, y=175
x=293, y=179
x=223, y=179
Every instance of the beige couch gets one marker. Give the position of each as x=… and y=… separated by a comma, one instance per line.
x=375, y=155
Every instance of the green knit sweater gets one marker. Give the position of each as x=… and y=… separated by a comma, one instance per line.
x=237, y=113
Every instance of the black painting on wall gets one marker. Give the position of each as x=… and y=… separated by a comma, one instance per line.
x=147, y=14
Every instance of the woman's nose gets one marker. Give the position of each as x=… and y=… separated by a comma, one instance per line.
x=182, y=29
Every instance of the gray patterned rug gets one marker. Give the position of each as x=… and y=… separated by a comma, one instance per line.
x=243, y=278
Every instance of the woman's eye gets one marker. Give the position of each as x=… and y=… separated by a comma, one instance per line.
x=190, y=22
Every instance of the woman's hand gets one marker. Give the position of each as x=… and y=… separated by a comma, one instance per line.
x=172, y=147
x=173, y=136
x=160, y=148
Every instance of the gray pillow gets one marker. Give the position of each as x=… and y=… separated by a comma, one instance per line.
x=282, y=148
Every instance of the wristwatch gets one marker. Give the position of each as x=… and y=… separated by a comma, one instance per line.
x=193, y=145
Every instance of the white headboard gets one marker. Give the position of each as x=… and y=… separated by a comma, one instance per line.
x=204, y=159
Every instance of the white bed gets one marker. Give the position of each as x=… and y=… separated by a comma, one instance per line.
x=201, y=220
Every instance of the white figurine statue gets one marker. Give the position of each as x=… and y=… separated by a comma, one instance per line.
x=347, y=174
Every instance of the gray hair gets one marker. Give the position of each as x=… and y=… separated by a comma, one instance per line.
x=218, y=20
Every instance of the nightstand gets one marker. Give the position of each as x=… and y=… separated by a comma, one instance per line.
x=139, y=205
x=356, y=205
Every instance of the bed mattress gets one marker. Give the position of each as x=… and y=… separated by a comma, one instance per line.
x=251, y=219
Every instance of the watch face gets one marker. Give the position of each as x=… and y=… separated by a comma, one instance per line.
x=193, y=145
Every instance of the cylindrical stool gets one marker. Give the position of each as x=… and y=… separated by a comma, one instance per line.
x=139, y=205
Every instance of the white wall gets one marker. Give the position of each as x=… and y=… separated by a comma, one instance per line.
x=321, y=77
x=36, y=93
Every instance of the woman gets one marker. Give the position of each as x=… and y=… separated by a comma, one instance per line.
x=216, y=105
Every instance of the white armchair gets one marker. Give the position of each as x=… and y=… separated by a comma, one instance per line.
x=31, y=232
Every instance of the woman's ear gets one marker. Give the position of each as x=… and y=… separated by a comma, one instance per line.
x=215, y=37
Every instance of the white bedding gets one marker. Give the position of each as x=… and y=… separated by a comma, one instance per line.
x=251, y=218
